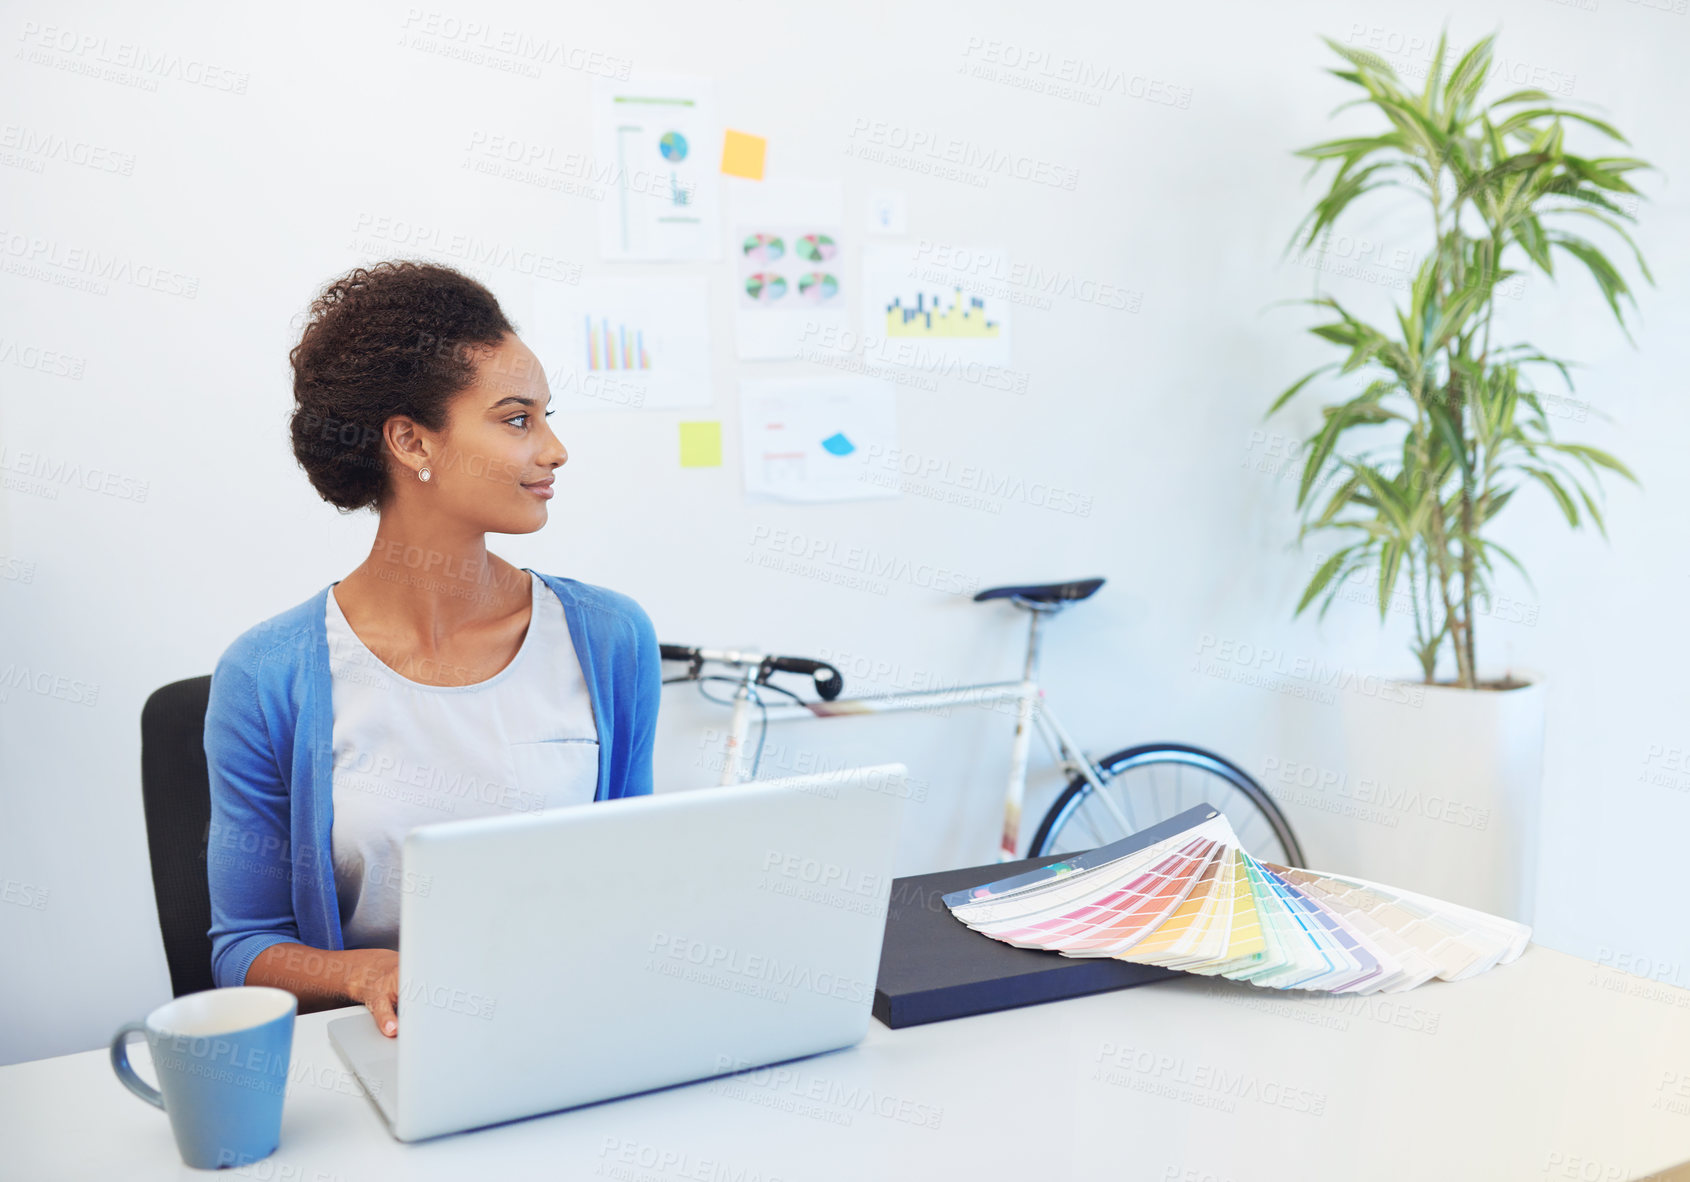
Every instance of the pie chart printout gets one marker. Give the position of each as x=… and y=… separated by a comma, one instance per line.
x=816, y=248
x=763, y=248
x=817, y=287
x=764, y=286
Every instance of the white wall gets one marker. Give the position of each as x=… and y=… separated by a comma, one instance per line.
x=263, y=196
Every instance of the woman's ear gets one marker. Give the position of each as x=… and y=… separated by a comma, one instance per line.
x=406, y=442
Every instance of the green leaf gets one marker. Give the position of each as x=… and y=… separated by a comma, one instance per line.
x=1342, y=332
x=1341, y=498
x=1468, y=77
x=1512, y=561
x=1391, y=503
x=1590, y=507
x=1494, y=504
x=1596, y=173
x=1528, y=232
x=1608, y=278
x=1321, y=578
x=1360, y=562
x=1522, y=119
x=1369, y=66
x=1547, y=479
x=1450, y=433
x=1545, y=359
x=1524, y=96
x=1434, y=74
x=1291, y=392
x=1390, y=563
x=1354, y=146
x=1338, y=418
x=1616, y=228
x=1596, y=456
x=1346, y=187
x=1619, y=164
x=1455, y=315
x=1503, y=169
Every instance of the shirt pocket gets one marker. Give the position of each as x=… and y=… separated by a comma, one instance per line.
x=554, y=773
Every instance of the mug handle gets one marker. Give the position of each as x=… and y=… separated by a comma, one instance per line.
x=126, y=1073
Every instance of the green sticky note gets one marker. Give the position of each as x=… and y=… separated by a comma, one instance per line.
x=701, y=445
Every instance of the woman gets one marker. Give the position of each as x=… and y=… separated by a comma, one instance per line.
x=436, y=681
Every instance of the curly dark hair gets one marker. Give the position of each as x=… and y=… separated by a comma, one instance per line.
x=395, y=338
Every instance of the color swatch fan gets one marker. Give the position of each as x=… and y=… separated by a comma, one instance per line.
x=1198, y=902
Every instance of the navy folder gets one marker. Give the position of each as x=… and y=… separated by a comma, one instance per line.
x=934, y=967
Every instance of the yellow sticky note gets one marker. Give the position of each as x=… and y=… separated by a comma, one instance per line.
x=701, y=445
x=742, y=155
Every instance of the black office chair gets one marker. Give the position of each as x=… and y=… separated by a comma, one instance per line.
x=176, y=797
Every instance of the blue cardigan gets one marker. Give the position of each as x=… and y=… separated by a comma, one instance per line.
x=269, y=748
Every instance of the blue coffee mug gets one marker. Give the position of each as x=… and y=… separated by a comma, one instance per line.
x=221, y=1056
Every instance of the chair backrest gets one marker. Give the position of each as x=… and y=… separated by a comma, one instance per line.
x=176, y=797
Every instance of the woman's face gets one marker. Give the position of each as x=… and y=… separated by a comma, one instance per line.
x=492, y=466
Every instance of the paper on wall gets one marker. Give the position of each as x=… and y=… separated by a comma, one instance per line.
x=816, y=439
x=936, y=304
x=658, y=137
x=789, y=274
x=625, y=342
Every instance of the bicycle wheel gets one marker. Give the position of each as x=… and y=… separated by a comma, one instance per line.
x=1155, y=781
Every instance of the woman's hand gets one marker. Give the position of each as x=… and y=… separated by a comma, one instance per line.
x=372, y=979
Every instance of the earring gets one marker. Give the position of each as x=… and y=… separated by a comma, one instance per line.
x=422, y=475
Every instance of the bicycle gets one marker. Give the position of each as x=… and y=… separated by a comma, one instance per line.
x=1096, y=807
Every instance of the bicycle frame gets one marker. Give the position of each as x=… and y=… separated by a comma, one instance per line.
x=1032, y=713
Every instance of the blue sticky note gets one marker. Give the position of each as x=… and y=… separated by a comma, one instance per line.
x=838, y=445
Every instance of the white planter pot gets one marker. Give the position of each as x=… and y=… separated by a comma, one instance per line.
x=1451, y=784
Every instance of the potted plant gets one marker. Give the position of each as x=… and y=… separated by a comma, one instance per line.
x=1411, y=472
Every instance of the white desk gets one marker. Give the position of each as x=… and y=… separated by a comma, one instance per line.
x=1549, y=1068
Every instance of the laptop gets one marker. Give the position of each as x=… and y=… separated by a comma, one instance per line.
x=559, y=958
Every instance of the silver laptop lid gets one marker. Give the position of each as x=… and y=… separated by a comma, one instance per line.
x=579, y=954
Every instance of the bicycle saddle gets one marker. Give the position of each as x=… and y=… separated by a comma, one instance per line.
x=1044, y=592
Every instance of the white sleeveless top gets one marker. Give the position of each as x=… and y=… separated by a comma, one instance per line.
x=407, y=754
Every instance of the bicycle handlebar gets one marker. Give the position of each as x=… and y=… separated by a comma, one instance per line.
x=828, y=680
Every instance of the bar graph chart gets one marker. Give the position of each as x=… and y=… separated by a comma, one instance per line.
x=612, y=346
x=933, y=316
